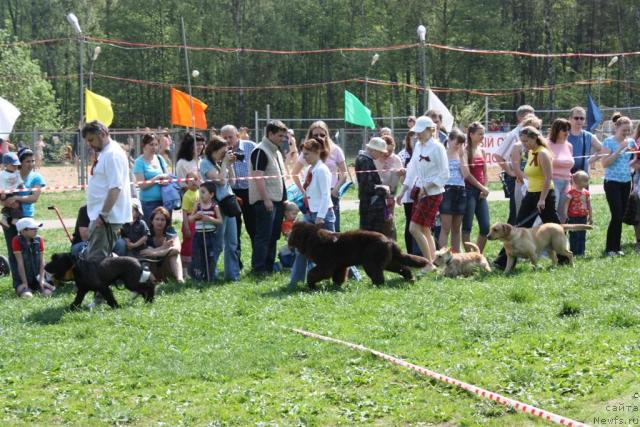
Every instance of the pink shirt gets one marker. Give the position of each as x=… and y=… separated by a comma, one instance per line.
x=562, y=160
x=336, y=157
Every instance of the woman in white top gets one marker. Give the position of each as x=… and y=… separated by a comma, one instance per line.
x=427, y=173
x=335, y=161
x=317, y=193
x=188, y=157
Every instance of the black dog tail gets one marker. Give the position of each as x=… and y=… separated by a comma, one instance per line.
x=408, y=259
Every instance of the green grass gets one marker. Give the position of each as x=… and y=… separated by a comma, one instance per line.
x=67, y=202
x=565, y=339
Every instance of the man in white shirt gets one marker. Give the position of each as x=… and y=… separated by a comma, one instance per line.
x=503, y=157
x=108, y=192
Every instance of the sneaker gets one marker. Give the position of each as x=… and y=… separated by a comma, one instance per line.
x=97, y=300
x=26, y=294
x=637, y=247
x=620, y=253
x=611, y=253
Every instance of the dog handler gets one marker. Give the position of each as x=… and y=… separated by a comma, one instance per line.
x=108, y=192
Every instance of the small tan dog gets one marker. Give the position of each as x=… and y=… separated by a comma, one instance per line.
x=531, y=242
x=461, y=264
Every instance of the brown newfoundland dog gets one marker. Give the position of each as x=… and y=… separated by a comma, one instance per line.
x=334, y=253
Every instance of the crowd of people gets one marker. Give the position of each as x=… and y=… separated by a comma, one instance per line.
x=439, y=178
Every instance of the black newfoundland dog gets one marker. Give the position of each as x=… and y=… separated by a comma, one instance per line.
x=334, y=253
x=99, y=276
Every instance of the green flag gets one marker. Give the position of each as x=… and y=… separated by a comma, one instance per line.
x=356, y=112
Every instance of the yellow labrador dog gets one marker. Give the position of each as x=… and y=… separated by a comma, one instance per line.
x=531, y=242
x=463, y=264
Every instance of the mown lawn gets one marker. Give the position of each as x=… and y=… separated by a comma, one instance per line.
x=566, y=339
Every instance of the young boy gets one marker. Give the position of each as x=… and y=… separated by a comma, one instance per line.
x=136, y=232
x=10, y=180
x=285, y=254
x=578, y=211
x=28, y=249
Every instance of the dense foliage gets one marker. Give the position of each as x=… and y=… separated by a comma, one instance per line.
x=528, y=25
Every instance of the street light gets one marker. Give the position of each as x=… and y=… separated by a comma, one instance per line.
x=422, y=36
x=96, y=53
x=374, y=59
x=72, y=19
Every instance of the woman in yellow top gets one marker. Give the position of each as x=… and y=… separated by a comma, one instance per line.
x=540, y=199
x=540, y=196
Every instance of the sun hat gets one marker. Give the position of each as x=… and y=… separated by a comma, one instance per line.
x=377, y=144
x=27, y=222
x=422, y=123
x=135, y=203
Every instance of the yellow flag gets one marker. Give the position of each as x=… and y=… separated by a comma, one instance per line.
x=97, y=107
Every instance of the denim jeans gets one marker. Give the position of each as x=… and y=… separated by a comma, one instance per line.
x=9, y=234
x=267, y=234
x=561, y=186
x=300, y=265
x=476, y=207
x=203, y=265
x=577, y=239
x=226, y=238
x=336, y=212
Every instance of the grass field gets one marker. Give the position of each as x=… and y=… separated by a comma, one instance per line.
x=566, y=339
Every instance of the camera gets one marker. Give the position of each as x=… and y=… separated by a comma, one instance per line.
x=239, y=155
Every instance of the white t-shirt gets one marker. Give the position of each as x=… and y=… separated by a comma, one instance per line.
x=10, y=180
x=319, y=191
x=504, y=149
x=111, y=171
x=183, y=167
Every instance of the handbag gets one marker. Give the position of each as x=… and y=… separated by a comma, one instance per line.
x=632, y=213
x=171, y=193
x=229, y=206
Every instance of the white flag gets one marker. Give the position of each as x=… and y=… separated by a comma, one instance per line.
x=436, y=104
x=8, y=116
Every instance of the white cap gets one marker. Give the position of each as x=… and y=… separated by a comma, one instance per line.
x=135, y=203
x=27, y=222
x=377, y=144
x=422, y=123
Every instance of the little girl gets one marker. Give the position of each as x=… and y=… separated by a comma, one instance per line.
x=454, y=203
x=206, y=215
x=577, y=210
x=189, y=200
x=135, y=233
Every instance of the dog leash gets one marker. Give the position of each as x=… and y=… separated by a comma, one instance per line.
x=527, y=219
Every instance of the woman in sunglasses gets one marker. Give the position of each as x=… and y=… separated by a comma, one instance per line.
x=562, y=163
x=584, y=143
x=335, y=161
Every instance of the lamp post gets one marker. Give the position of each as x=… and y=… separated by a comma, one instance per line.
x=72, y=19
x=422, y=36
x=96, y=53
x=374, y=59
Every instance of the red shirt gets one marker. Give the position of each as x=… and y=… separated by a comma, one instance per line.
x=15, y=245
x=578, y=203
x=287, y=225
x=476, y=168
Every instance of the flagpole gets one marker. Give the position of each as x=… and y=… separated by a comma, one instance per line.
x=186, y=61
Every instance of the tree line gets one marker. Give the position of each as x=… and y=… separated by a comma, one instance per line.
x=545, y=26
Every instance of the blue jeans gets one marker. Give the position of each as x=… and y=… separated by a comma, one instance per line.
x=300, y=265
x=476, y=207
x=577, y=239
x=267, y=234
x=148, y=207
x=9, y=234
x=561, y=186
x=120, y=248
x=203, y=265
x=226, y=238
x=336, y=212
x=76, y=248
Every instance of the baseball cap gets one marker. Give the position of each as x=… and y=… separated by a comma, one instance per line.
x=422, y=123
x=27, y=222
x=10, y=158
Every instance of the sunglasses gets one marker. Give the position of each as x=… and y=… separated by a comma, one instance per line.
x=318, y=135
x=578, y=118
x=530, y=134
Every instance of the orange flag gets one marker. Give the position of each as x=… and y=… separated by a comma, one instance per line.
x=181, y=110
